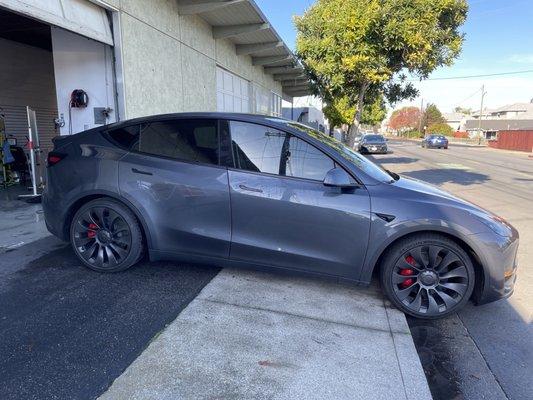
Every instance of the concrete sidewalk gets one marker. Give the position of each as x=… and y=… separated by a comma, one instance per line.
x=254, y=335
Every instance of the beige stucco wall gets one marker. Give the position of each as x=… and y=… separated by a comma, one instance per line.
x=169, y=60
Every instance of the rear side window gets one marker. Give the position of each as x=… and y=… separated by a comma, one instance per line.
x=126, y=137
x=262, y=149
x=187, y=140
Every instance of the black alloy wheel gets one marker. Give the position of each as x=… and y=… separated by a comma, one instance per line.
x=428, y=277
x=106, y=236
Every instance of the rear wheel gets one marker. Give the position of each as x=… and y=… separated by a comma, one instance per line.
x=427, y=276
x=106, y=236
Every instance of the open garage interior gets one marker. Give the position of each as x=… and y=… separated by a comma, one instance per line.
x=66, y=78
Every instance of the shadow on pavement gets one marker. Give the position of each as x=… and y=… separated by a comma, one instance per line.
x=438, y=176
x=396, y=160
x=67, y=332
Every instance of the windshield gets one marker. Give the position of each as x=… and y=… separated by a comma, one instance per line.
x=373, y=138
x=345, y=152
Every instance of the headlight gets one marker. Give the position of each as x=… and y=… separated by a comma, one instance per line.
x=495, y=223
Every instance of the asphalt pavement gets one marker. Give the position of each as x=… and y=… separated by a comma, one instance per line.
x=485, y=351
x=67, y=332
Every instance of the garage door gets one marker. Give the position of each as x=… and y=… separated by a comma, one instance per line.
x=79, y=16
x=233, y=92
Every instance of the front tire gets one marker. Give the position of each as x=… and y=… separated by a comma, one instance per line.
x=106, y=236
x=427, y=276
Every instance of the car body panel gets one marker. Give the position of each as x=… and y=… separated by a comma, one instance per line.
x=435, y=141
x=276, y=218
x=174, y=198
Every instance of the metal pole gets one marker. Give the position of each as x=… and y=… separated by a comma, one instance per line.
x=421, y=116
x=32, y=153
x=480, y=114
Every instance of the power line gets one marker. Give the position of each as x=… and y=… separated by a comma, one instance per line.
x=472, y=76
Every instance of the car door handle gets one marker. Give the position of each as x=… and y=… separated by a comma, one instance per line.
x=138, y=171
x=250, y=189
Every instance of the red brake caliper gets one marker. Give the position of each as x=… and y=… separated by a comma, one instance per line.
x=407, y=272
x=92, y=230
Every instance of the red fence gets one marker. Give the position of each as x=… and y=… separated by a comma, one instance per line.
x=514, y=140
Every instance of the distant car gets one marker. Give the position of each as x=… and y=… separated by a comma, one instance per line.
x=249, y=190
x=373, y=144
x=435, y=142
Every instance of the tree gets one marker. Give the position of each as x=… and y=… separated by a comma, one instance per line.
x=339, y=111
x=360, y=48
x=405, y=119
x=440, y=128
x=462, y=110
x=374, y=113
x=432, y=116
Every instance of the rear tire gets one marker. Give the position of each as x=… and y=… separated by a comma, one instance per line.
x=106, y=236
x=427, y=275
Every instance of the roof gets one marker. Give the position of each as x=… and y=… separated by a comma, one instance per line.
x=516, y=107
x=499, y=124
x=243, y=23
x=453, y=116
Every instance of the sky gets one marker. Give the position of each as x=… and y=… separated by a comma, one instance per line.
x=499, y=38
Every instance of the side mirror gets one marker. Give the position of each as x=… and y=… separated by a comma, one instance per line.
x=337, y=177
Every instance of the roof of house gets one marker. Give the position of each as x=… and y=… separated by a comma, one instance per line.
x=516, y=107
x=243, y=23
x=499, y=124
x=454, y=116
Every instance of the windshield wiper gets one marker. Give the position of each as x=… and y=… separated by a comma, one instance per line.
x=393, y=175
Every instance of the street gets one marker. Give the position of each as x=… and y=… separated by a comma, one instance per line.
x=485, y=351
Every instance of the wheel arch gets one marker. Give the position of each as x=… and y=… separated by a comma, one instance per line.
x=474, y=257
x=79, y=202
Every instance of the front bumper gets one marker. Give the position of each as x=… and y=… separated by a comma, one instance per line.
x=375, y=149
x=497, y=255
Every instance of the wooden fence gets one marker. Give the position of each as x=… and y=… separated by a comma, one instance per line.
x=514, y=140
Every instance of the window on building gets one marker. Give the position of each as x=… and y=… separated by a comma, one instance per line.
x=189, y=140
x=275, y=104
x=233, y=92
x=262, y=149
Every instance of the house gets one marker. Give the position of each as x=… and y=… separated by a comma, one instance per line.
x=455, y=120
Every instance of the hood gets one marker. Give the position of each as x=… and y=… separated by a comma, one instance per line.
x=437, y=195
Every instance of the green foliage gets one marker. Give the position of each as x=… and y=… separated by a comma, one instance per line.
x=412, y=134
x=373, y=112
x=339, y=111
x=441, y=128
x=432, y=115
x=462, y=110
x=355, y=48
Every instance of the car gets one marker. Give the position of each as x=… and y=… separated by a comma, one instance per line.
x=373, y=144
x=435, y=141
x=263, y=192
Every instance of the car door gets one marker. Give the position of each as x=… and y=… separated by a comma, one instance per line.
x=283, y=215
x=173, y=175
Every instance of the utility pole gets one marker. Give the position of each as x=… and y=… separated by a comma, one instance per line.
x=483, y=93
x=421, y=116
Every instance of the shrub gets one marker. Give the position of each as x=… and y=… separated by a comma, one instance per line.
x=440, y=128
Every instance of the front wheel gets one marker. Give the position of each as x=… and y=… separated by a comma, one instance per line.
x=427, y=276
x=106, y=236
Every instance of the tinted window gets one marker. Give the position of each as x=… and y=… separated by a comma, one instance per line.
x=125, y=137
x=190, y=140
x=374, y=138
x=262, y=149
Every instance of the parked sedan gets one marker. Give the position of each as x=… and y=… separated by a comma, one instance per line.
x=435, y=142
x=373, y=144
x=247, y=190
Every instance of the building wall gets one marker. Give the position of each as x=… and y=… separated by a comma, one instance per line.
x=170, y=60
x=82, y=63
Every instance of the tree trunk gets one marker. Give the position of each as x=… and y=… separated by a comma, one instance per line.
x=331, y=130
x=353, y=131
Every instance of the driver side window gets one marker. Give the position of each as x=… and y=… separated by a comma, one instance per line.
x=259, y=148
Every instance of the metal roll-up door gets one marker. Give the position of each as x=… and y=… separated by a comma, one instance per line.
x=78, y=16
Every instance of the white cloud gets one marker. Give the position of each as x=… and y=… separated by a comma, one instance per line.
x=520, y=59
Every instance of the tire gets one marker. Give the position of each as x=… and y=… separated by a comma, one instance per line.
x=106, y=236
x=427, y=275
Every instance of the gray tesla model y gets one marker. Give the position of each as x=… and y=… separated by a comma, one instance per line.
x=248, y=190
